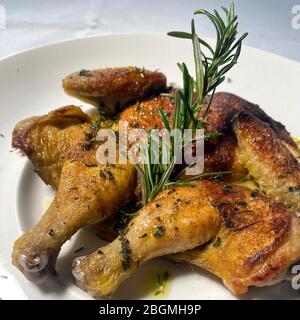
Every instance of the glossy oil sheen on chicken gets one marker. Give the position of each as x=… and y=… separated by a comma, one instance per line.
x=260, y=150
x=253, y=238
x=268, y=159
x=178, y=219
x=257, y=242
x=111, y=89
x=32, y=136
x=62, y=147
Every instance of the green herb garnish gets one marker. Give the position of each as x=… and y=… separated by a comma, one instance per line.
x=159, y=232
x=254, y=194
x=97, y=122
x=217, y=243
x=241, y=203
x=107, y=174
x=294, y=188
x=90, y=165
x=125, y=252
x=84, y=73
x=210, y=70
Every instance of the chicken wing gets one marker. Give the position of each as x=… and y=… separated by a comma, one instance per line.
x=111, y=89
x=49, y=140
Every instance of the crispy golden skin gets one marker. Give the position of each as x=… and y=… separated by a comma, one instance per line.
x=144, y=114
x=176, y=220
x=225, y=106
x=253, y=238
x=56, y=136
x=84, y=197
x=255, y=245
x=70, y=129
x=268, y=160
x=247, y=150
x=219, y=154
x=48, y=141
x=62, y=147
x=111, y=89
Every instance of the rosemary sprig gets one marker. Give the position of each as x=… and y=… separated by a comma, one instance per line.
x=221, y=59
x=155, y=177
x=210, y=72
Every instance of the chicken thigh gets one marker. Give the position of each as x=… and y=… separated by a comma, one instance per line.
x=253, y=239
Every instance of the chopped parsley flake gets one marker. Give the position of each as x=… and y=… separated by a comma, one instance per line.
x=85, y=73
x=125, y=252
x=159, y=232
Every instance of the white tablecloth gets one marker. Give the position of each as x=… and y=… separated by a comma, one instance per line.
x=37, y=22
x=30, y=23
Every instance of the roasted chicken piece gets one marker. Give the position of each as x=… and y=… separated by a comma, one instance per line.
x=253, y=239
x=67, y=135
x=268, y=160
x=176, y=220
x=246, y=148
x=62, y=147
x=111, y=89
x=48, y=141
x=221, y=154
x=65, y=140
x=256, y=244
x=225, y=106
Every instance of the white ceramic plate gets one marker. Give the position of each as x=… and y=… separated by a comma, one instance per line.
x=30, y=84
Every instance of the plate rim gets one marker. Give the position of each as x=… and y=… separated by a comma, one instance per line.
x=129, y=34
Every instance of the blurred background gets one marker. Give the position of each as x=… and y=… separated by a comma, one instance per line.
x=273, y=25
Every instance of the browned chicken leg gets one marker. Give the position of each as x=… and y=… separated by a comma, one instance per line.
x=62, y=146
x=254, y=239
x=178, y=219
x=86, y=195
